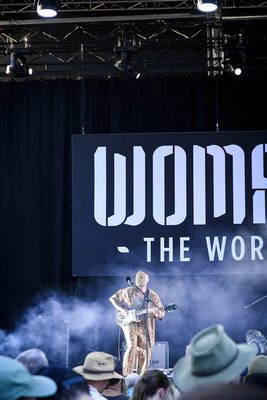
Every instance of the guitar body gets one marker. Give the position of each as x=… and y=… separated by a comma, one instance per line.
x=129, y=319
x=133, y=315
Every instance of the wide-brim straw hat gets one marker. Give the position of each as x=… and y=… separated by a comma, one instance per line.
x=259, y=365
x=98, y=366
x=214, y=358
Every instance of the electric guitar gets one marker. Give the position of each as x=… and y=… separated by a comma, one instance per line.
x=133, y=314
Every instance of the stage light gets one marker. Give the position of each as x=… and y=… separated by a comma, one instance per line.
x=18, y=67
x=127, y=69
x=234, y=58
x=47, y=8
x=127, y=47
x=234, y=54
x=234, y=70
x=237, y=71
x=207, y=5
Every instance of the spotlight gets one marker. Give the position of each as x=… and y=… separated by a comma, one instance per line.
x=47, y=8
x=127, y=46
x=207, y=5
x=127, y=69
x=18, y=63
x=234, y=58
x=238, y=71
x=125, y=52
x=234, y=70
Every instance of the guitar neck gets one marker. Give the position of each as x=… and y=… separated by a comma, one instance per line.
x=140, y=312
x=167, y=308
x=144, y=311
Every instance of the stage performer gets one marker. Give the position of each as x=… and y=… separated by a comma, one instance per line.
x=137, y=308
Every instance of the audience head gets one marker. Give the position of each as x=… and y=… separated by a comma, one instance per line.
x=257, y=371
x=130, y=381
x=115, y=385
x=98, y=368
x=33, y=359
x=16, y=382
x=226, y=392
x=154, y=384
x=70, y=385
x=213, y=358
x=118, y=369
x=258, y=365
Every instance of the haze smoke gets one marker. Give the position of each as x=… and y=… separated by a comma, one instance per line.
x=56, y=321
x=51, y=324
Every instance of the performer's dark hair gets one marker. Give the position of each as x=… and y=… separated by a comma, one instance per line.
x=149, y=383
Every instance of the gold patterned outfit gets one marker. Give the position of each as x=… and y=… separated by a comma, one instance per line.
x=135, y=333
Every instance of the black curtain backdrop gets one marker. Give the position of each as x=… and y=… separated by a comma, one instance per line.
x=36, y=124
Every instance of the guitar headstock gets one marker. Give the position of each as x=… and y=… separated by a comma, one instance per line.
x=170, y=307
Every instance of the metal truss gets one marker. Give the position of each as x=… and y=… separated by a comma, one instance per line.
x=81, y=11
x=27, y=7
x=173, y=37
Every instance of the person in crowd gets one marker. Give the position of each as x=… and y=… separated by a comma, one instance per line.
x=70, y=385
x=33, y=359
x=154, y=385
x=98, y=368
x=16, y=382
x=229, y=391
x=130, y=380
x=140, y=332
x=257, y=371
x=258, y=365
x=213, y=358
x=116, y=387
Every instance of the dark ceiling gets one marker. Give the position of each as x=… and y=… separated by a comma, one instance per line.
x=163, y=37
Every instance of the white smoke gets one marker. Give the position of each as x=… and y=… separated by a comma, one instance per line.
x=51, y=324
x=57, y=322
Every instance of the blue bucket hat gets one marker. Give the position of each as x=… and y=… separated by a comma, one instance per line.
x=16, y=381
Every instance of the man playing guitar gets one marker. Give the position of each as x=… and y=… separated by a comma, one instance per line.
x=134, y=304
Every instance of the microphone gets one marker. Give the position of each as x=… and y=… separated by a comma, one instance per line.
x=128, y=280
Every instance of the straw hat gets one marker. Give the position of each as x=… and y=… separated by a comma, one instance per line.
x=258, y=365
x=214, y=358
x=98, y=366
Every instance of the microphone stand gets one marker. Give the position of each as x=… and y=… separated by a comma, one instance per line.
x=67, y=324
x=147, y=335
x=148, y=300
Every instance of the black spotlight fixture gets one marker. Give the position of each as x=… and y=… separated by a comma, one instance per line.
x=18, y=66
x=125, y=49
x=48, y=8
x=234, y=52
x=124, y=66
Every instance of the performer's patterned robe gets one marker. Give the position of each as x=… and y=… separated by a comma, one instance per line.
x=135, y=333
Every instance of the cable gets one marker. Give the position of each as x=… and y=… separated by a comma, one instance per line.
x=217, y=106
x=82, y=92
x=76, y=290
